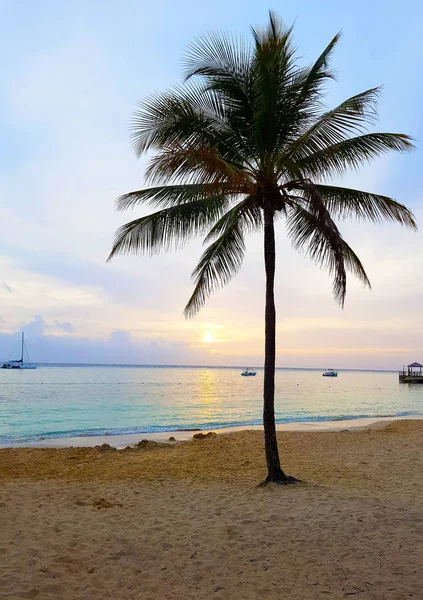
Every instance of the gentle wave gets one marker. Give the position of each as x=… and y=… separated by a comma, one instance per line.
x=192, y=427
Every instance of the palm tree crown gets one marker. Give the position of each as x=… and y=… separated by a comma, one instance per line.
x=248, y=129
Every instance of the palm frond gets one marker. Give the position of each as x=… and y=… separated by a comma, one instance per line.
x=346, y=203
x=319, y=72
x=310, y=225
x=195, y=164
x=247, y=211
x=169, y=228
x=180, y=115
x=189, y=117
x=354, y=265
x=223, y=65
x=223, y=258
x=309, y=80
x=171, y=195
x=217, y=54
x=273, y=68
x=274, y=34
x=333, y=127
x=322, y=242
x=352, y=153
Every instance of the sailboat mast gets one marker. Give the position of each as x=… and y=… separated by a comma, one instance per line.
x=22, y=353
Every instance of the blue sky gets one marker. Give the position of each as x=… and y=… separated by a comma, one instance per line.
x=73, y=74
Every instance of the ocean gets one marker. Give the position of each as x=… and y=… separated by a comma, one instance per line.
x=69, y=400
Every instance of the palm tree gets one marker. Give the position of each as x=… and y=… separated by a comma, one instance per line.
x=246, y=140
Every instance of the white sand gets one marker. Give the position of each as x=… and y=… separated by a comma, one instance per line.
x=186, y=522
x=179, y=542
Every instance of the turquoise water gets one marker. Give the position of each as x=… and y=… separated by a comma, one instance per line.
x=93, y=400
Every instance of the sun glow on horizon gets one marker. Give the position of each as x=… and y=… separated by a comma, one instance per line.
x=208, y=337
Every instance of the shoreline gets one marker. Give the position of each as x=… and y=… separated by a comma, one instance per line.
x=121, y=441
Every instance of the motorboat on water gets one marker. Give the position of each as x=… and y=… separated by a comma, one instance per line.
x=19, y=364
x=248, y=373
x=330, y=373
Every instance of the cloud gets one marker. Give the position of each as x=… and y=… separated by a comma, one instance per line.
x=35, y=328
x=119, y=347
x=65, y=326
x=8, y=288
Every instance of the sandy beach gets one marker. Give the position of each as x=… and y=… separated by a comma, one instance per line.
x=185, y=520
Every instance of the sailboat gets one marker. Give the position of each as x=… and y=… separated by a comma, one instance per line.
x=19, y=364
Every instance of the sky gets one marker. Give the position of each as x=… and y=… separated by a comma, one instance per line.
x=72, y=75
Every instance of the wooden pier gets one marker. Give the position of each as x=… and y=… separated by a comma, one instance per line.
x=412, y=374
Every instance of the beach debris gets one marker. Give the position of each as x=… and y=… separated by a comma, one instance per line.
x=172, y=439
x=103, y=503
x=105, y=448
x=150, y=445
x=202, y=436
x=146, y=444
x=98, y=503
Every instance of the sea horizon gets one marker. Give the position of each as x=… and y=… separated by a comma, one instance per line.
x=189, y=366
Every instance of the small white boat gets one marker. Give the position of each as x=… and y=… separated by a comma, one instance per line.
x=330, y=373
x=248, y=373
x=19, y=364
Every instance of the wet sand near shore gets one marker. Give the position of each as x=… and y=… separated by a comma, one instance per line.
x=186, y=520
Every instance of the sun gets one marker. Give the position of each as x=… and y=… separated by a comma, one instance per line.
x=208, y=337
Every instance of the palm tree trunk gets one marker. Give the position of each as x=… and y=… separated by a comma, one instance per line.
x=274, y=471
